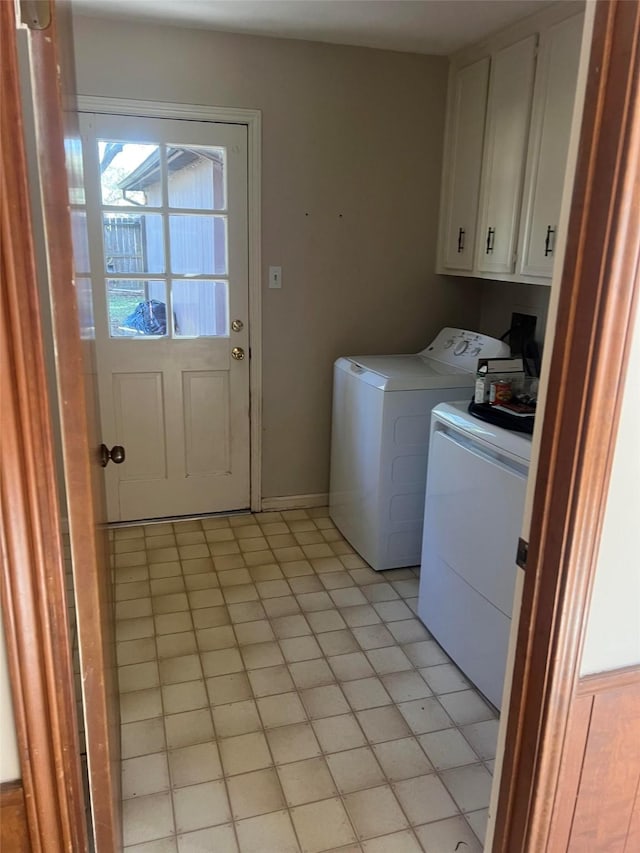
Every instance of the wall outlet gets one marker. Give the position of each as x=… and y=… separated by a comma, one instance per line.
x=275, y=277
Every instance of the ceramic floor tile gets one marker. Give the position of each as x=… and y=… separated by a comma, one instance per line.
x=300, y=649
x=248, y=633
x=450, y=834
x=286, y=605
x=380, y=724
x=286, y=627
x=337, y=580
x=337, y=642
x=270, y=833
x=322, y=826
x=136, y=651
x=373, y=637
x=236, y=594
x=185, y=696
x=310, y=601
x=312, y=673
x=166, y=570
x=296, y=568
x=237, y=718
x=470, y=786
x=424, y=798
x=220, y=838
x=142, y=738
x=392, y=611
x=133, y=629
x=398, y=842
x=293, y=743
x=260, y=655
x=306, y=781
x=388, y=660
x=136, y=608
x=244, y=753
x=188, y=728
x=424, y=715
x=191, y=765
x=173, y=623
x=483, y=737
x=478, y=822
x=219, y=637
x=221, y=662
x=255, y=793
x=355, y=769
x=406, y=686
x=351, y=666
x=248, y=611
x=228, y=688
x=281, y=710
x=210, y=617
x=366, y=693
x=174, y=645
x=148, y=774
x=234, y=577
x=402, y=759
x=338, y=733
x=268, y=572
x=271, y=680
x=183, y=668
x=466, y=707
x=409, y=631
x=147, y=818
x=379, y=592
x=325, y=701
x=447, y=749
x=375, y=811
x=198, y=806
x=305, y=583
x=138, y=676
x=362, y=614
x=425, y=653
x=140, y=705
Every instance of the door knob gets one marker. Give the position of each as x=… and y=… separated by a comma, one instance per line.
x=237, y=325
x=237, y=353
x=116, y=454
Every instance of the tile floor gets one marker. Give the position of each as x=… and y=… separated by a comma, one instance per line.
x=279, y=696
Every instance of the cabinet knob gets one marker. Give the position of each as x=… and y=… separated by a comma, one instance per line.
x=548, y=248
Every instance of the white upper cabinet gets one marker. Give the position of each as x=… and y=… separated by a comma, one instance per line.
x=464, y=144
x=507, y=130
x=555, y=88
x=510, y=111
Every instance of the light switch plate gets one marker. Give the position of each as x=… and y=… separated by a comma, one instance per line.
x=275, y=277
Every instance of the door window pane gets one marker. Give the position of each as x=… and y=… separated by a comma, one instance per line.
x=196, y=177
x=80, y=237
x=137, y=308
x=198, y=244
x=133, y=242
x=129, y=173
x=200, y=308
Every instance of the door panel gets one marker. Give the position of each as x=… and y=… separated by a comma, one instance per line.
x=167, y=219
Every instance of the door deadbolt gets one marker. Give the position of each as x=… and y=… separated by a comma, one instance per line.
x=237, y=353
x=237, y=325
x=115, y=455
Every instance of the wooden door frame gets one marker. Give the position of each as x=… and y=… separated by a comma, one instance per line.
x=596, y=310
x=33, y=571
x=252, y=120
x=599, y=286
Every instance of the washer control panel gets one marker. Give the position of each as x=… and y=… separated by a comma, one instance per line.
x=462, y=348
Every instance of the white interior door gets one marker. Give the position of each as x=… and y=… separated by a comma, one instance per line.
x=167, y=224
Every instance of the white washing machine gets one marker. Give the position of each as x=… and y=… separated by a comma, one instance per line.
x=380, y=440
x=472, y=518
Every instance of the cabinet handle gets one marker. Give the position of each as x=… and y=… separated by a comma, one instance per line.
x=491, y=234
x=461, y=233
x=548, y=248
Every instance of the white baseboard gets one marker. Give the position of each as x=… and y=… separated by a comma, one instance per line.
x=294, y=502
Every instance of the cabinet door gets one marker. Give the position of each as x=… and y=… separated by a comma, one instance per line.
x=462, y=181
x=554, y=95
x=508, y=110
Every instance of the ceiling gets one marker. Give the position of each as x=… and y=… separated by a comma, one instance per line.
x=415, y=26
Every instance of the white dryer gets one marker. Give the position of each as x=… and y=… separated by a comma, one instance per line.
x=473, y=513
x=380, y=440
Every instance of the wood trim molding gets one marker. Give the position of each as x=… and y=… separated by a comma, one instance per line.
x=14, y=830
x=295, y=502
x=604, y=682
x=253, y=121
x=33, y=594
x=597, y=302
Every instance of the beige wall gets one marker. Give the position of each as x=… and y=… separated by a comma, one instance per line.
x=352, y=137
x=501, y=298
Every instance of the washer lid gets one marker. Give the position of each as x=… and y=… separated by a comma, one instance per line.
x=456, y=415
x=405, y=372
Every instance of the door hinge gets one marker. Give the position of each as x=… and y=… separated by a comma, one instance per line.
x=522, y=553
